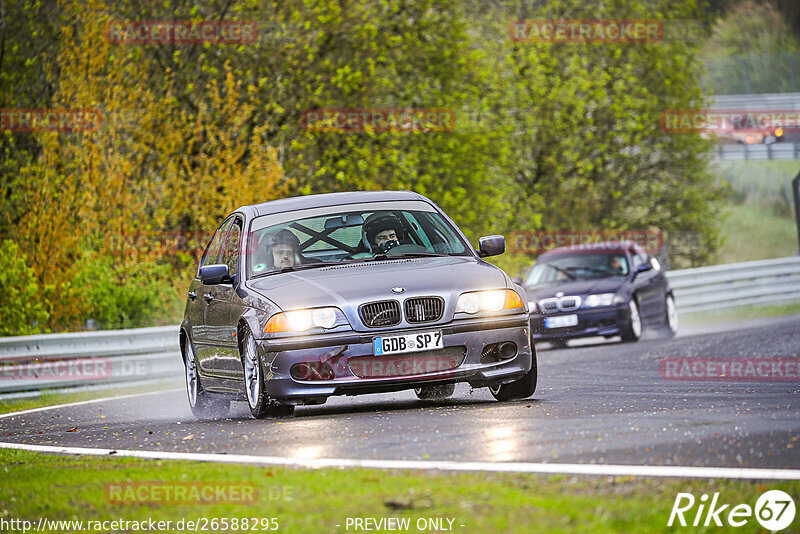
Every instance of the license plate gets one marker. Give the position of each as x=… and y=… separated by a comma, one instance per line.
x=407, y=343
x=560, y=321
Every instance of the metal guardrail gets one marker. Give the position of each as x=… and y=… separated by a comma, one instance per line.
x=53, y=361
x=758, y=152
x=735, y=284
x=758, y=102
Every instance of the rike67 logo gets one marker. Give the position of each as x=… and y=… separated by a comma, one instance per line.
x=774, y=511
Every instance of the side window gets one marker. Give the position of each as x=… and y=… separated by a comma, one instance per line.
x=211, y=255
x=638, y=259
x=230, y=253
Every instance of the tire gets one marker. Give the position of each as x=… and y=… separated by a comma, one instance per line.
x=518, y=389
x=670, y=327
x=203, y=404
x=633, y=330
x=260, y=404
x=436, y=392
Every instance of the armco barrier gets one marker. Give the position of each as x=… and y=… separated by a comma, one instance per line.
x=735, y=284
x=30, y=363
x=52, y=361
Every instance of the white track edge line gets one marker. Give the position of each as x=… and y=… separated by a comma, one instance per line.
x=508, y=467
x=82, y=403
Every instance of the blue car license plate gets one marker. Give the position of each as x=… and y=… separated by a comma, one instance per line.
x=560, y=321
x=407, y=343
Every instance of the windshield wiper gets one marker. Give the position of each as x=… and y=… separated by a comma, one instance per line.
x=301, y=267
x=384, y=256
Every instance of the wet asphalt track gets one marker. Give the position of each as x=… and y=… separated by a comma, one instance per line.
x=597, y=403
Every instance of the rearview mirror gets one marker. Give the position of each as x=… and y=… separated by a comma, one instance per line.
x=212, y=275
x=491, y=245
x=345, y=221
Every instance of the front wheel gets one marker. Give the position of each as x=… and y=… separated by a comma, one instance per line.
x=261, y=405
x=670, y=327
x=202, y=403
x=518, y=389
x=633, y=330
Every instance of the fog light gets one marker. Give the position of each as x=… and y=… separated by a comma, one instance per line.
x=311, y=371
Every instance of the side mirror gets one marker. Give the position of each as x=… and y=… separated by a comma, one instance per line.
x=212, y=275
x=643, y=267
x=492, y=245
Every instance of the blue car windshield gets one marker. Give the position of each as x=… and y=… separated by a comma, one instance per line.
x=350, y=233
x=577, y=267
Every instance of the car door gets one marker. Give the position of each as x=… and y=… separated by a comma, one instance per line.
x=659, y=289
x=198, y=305
x=224, y=360
x=646, y=286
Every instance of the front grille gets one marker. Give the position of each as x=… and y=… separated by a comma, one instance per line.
x=415, y=363
x=557, y=304
x=383, y=313
x=424, y=309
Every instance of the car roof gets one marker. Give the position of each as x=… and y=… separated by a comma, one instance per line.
x=327, y=199
x=603, y=247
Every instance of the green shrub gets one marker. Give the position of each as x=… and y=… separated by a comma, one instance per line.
x=124, y=295
x=21, y=308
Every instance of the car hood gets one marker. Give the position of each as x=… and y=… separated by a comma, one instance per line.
x=576, y=287
x=349, y=285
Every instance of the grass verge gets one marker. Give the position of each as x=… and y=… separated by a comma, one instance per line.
x=752, y=232
x=739, y=313
x=77, y=488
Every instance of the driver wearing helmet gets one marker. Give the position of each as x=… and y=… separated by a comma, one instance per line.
x=381, y=232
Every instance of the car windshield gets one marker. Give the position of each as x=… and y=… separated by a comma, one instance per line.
x=577, y=267
x=349, y=233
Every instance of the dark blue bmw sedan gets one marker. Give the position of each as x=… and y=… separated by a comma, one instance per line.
x=604, y=289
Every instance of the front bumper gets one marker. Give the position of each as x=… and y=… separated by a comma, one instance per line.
x=605, y=321
x=473, y=335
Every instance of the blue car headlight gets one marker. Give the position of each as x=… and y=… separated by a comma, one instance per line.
x=602, y=299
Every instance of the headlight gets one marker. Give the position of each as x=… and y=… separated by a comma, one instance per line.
x=304, y=320
x=489, y=301
x=602, y=299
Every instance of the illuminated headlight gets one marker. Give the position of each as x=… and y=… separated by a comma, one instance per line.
x=602, y=299
x=304, y=320
x=489, y=301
